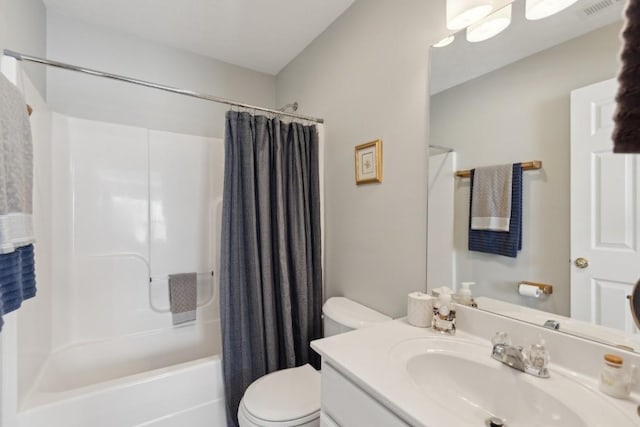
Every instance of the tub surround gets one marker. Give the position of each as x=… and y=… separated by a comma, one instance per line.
x=366, y=362
x=134, y=369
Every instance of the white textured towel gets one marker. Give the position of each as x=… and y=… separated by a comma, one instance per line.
x=16, y=169
x=491, y=198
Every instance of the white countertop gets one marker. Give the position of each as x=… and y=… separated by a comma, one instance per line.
x=364, y=356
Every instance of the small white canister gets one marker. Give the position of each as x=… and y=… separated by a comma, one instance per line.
x=420, y=309
x=615, y=380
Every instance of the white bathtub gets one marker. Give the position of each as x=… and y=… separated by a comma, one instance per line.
x=120, y=225
x=136, y=380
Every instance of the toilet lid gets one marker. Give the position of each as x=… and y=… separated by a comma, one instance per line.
x=351, y=314
x=284, y=395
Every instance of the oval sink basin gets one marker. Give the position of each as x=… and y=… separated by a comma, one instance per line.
x=461, y=376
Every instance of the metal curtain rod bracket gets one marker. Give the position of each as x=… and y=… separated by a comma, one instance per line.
x=22, y=57
x=527, y=166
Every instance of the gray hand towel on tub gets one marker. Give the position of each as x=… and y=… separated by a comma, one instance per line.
x=183, y=297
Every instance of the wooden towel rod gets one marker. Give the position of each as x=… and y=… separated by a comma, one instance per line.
x=527, y=166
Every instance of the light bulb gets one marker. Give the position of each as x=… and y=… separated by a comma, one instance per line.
x=462, y=13
x=538, y=9
x=445, y=41
x=490, y=26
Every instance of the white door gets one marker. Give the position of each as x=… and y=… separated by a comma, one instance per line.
x=605, y=213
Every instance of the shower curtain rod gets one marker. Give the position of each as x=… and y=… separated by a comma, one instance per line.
x=29, y=58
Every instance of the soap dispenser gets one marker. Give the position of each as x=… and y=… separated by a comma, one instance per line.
x=464, y=294
x=444, y=314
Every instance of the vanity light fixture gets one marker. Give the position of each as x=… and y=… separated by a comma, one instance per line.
x=445, y=41
x=538, y=9
x=490, y=26
x=462, y=13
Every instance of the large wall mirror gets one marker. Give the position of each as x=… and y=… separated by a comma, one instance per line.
x=509, y=99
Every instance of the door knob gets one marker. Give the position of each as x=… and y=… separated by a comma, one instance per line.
x=582, y=263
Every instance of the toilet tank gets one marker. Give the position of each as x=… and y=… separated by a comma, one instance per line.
x=343, y=315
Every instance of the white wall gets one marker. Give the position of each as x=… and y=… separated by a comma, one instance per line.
x=367, y=76
x=78, y=95
x=521, y=113
x=23, y=29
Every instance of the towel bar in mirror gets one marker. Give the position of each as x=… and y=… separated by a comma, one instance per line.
x=527, y=166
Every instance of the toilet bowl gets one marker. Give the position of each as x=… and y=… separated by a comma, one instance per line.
x=291, y=397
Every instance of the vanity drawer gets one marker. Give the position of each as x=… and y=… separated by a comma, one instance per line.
x=349, y=406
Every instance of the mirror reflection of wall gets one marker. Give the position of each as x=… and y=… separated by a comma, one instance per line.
x=518, y=113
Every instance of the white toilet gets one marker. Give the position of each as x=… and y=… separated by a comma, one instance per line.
x=291, y=397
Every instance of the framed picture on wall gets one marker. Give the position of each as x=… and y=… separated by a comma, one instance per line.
x=369, y=162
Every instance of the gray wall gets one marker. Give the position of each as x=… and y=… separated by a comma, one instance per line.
x=88, y=45
x=23, y=28
x=519, y=113
x=367, y=76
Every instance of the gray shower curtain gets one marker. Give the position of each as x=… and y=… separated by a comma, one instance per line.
x=270, y=260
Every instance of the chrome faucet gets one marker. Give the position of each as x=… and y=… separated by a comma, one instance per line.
x=534, y=363
x=552, y=324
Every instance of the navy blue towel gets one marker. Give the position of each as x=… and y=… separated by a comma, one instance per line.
x=501, y=242
x=17, y=279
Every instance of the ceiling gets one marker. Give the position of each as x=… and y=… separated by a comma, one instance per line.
x=262, y=35
x=265, y=35
x=462, y=61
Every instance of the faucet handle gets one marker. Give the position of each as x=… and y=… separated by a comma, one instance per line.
x=538, y=357
x=500, y=338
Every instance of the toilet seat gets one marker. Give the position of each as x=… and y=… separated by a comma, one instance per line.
x=269, y=401
x=246, y=419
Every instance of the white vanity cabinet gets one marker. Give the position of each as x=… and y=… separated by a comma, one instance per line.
x=344, y=404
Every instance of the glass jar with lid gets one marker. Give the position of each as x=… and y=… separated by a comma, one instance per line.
x=615, y=380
